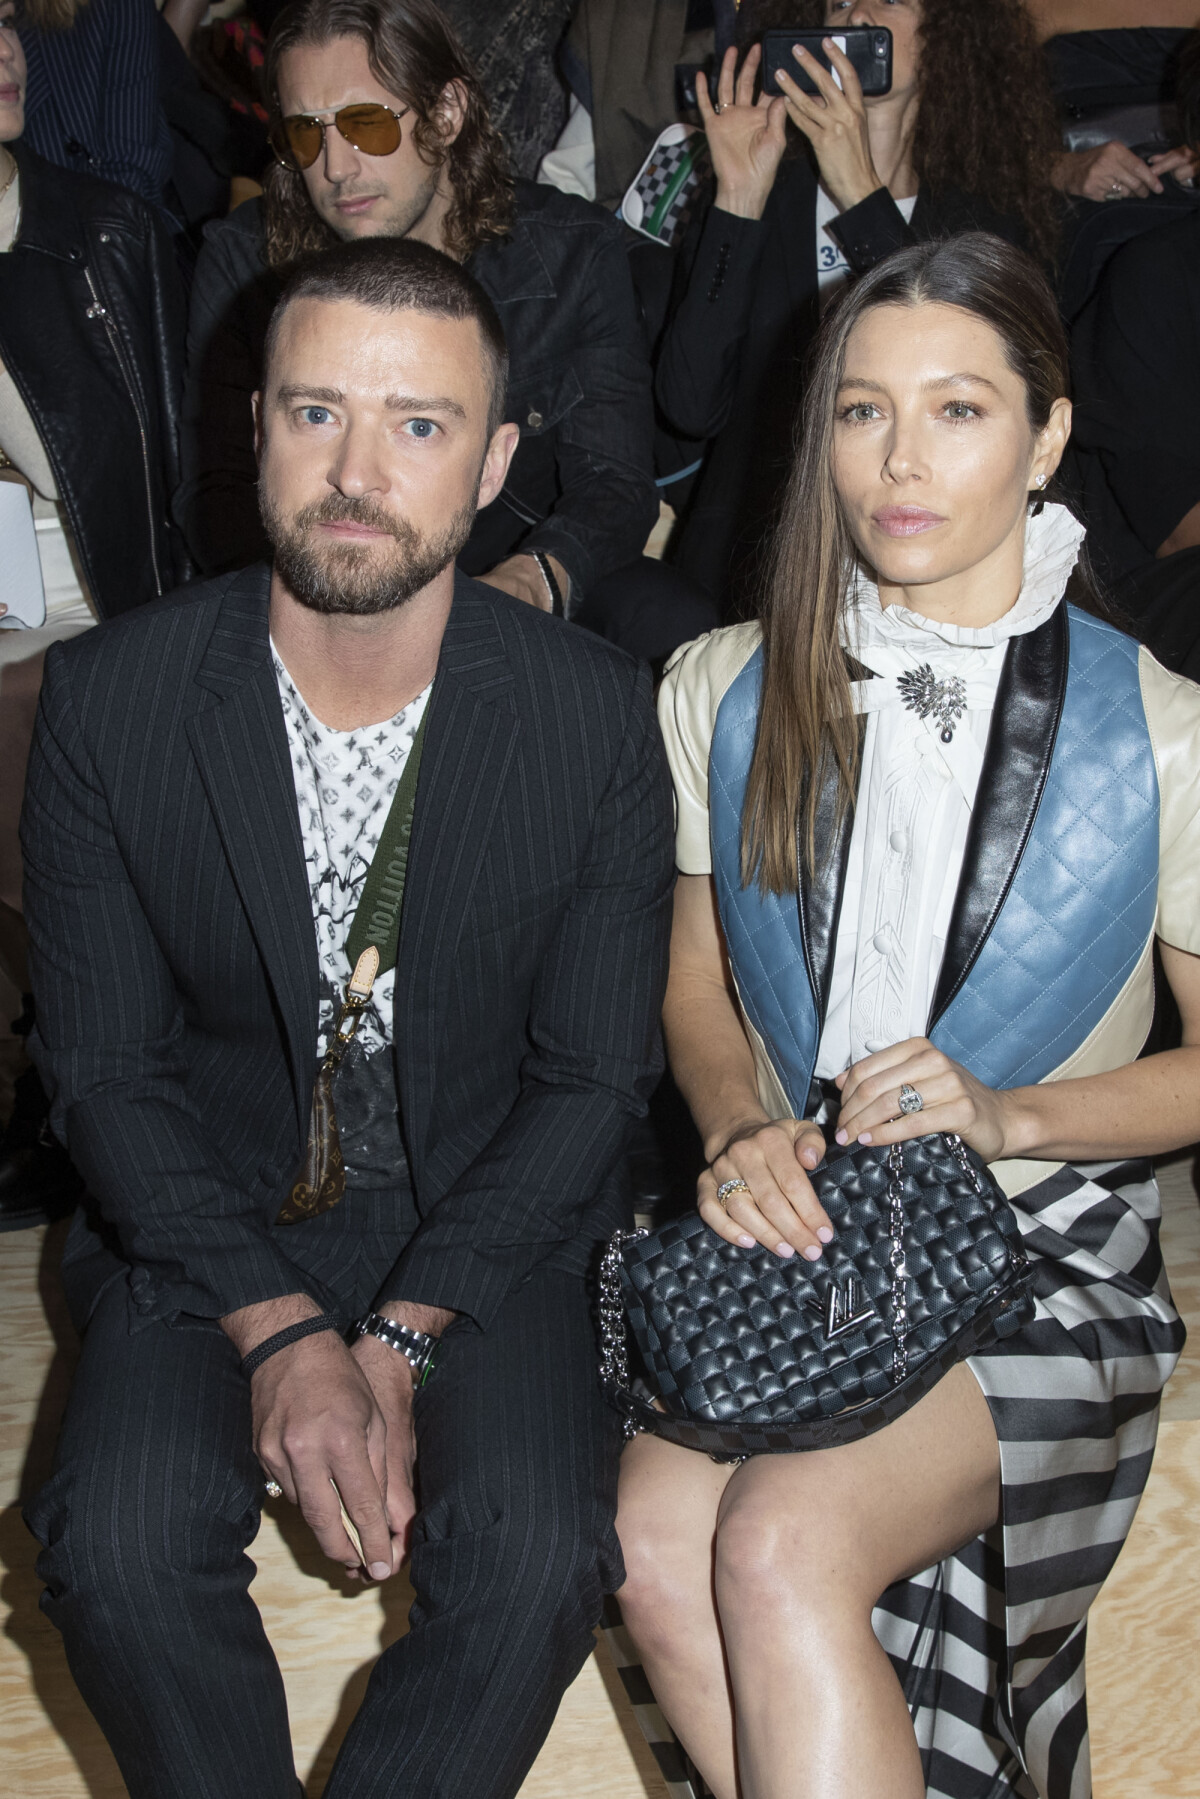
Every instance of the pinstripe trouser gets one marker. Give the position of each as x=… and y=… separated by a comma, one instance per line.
x=156, y=1496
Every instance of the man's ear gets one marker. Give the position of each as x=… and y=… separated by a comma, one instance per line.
x=256, y=407
x=451, y=112
x=495, y=462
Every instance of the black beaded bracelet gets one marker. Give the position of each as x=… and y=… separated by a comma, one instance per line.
x=307, y=1327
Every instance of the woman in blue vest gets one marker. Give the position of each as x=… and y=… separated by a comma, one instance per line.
x=988, y=800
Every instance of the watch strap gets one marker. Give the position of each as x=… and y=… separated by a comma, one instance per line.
x=417, y=1347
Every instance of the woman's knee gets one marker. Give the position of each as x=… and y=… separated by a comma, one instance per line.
x=773, y=1557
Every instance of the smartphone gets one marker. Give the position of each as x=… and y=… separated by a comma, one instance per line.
x=869, y=48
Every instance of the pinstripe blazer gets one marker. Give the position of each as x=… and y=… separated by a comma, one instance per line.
x=174, y=955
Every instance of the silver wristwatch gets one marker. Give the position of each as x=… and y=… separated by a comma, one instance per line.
x=417, y=1347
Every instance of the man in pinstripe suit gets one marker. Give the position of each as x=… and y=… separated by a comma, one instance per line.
x=208, y=779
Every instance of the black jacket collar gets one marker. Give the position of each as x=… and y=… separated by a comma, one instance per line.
x=50, y=219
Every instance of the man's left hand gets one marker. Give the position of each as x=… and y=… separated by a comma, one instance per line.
x=521, y=576
x=390, y=1377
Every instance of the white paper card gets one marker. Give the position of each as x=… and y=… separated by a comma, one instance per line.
x=21, y=587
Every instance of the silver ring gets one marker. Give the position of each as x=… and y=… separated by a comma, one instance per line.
x=274, y=1490
x=729, y=1187
x=910, y=1100
x=1115, y=191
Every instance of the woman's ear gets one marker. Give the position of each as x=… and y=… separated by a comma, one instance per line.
x=1050, y=444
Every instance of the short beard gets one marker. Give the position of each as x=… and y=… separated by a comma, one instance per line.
x=351, y=578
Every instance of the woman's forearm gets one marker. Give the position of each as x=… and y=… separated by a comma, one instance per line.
x=710, y=1060
x=1143, y=1109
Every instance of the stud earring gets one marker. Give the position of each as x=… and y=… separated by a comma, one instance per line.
x=1040, y=480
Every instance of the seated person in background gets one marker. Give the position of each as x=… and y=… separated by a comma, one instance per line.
x=1112, y=68
x=197, y=908
x=942, y=153
x=91, y=363
x=93, y=103
x=411, y=152
x=1136, y=459
x=905, y=1615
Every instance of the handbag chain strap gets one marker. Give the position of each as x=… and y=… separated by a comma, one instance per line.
x=614, y=1344
x=895, y=1194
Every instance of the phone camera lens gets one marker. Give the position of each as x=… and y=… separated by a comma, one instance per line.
x=881, y=43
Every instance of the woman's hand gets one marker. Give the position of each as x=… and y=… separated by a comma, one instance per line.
x=1182, y=163
x=954, y=1100
x=777, y=1207
x=1109, y=172
x=835, y=123
x=745, y=139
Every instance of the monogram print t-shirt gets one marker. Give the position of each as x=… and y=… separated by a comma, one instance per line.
x=345, y=782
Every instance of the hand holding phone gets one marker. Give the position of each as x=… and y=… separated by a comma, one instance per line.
x=868, y=48
x=831, y=112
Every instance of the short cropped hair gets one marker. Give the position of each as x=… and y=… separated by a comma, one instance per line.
x=398, y=274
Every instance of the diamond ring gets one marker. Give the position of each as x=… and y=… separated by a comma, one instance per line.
x=910, y=1100
x=727, y=1189
x=274, y=1490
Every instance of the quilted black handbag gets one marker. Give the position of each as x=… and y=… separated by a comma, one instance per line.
x=750, y=1353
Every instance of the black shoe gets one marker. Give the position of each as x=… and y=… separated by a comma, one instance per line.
x=37, y=1180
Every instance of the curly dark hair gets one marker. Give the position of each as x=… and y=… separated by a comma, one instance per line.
x=987, y=122
x=413, y=50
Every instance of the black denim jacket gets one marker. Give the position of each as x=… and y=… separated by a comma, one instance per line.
x=581, y=485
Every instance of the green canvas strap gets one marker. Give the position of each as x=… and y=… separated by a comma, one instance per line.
x=377, y=915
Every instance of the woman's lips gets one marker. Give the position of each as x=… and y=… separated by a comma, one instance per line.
x=906, y=521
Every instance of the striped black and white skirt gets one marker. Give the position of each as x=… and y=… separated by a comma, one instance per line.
x=989, y=1644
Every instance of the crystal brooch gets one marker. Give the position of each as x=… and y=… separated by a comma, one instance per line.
x=943, y=701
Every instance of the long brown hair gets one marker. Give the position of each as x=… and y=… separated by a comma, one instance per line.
x=414, y=52
x=986, y=122
x=806, y=714
x=49, y=15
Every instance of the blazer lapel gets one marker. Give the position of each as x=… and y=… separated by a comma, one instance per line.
x=1029, y=703
x=470, y=741
x=240, y=745
x=819, y=891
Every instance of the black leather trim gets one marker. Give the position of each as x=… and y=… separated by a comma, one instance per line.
x=1029, y=703
x=819, y=894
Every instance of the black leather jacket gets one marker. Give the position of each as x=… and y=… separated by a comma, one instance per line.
x=91, y=331
x=581, y=485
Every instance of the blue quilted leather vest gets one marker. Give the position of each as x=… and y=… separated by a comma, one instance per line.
x=1067, y=906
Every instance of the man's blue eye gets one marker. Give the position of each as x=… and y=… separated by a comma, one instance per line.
x=422, y=427
x=316, y=415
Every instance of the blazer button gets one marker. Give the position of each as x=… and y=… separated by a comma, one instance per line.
x=534, y=420
x=270, y=1175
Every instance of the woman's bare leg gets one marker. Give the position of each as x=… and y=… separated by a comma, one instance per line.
x=805, y=1546
x=667, y=1522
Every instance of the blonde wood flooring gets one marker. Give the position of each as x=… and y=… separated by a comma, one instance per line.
x=1144, y=1644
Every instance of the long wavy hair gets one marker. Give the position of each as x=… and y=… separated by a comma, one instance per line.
x=986, y=121
x=806, y=716
x=49, y=15
x=413, y=51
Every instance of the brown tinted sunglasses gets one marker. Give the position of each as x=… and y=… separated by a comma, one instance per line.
x=299, y=139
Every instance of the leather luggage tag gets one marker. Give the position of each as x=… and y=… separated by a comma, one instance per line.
x=321, y=1182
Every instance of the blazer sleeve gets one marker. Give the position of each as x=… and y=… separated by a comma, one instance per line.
x=872, y=230
x=700, y=353
x=605, y=445
x=593, y=1057
x=108, y=1046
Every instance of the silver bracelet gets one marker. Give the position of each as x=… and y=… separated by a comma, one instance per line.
x=418, y=1348
x=557, y=604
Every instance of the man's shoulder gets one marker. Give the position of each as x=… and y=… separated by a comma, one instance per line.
x=169, y=635
x=239, y=238
x=542, y=650
x=558, y=223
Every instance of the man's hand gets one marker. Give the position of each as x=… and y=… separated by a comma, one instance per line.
x=391, y=1380
x=317, y=1424
x=521, y=576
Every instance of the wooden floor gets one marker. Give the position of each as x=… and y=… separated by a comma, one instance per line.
x=1144, y=1646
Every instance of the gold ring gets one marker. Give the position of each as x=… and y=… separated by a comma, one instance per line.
x=728, y=1188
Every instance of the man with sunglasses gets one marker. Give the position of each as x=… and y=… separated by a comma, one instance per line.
x=380, y=127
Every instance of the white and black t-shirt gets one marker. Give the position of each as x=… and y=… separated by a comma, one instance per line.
x=345, y=782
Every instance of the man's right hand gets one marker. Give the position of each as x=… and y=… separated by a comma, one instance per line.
x=316, y=1422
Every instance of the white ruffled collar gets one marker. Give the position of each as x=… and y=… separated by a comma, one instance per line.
x=1052, y=541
